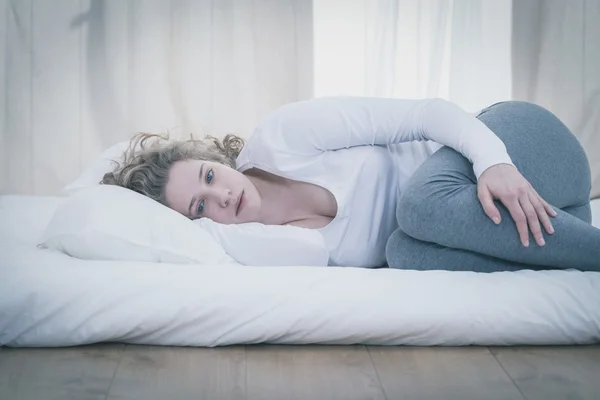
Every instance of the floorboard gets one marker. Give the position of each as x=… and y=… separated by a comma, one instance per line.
x=553, y=372
x=118, y=372
x=180, y=373
x=72, y=373
x=441, y=373
x=311, y=372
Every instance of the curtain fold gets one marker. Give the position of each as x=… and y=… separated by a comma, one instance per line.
x=476, y=53
x=78, y=76
x=455, y=49
x=81, y=75
x=556, y=63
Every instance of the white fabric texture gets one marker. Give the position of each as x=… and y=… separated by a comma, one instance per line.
x=217, y=67
x=299, y=141
x=472, y=53
x=96, y=72
x=455, y=48
x=95, y=170
x=113, y=223
x=105, y=222
x=248, y=244
x=50, y=299
x=556, y=64
x=269, y=245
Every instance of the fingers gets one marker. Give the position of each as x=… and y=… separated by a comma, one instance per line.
x=527, y=208
x=516, y=212
x=487, y=201
x=547, y=207
x=528, y=212
x=532, y=219
x=542, y=212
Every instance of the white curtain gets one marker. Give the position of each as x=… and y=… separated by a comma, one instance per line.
x=556, y=63
x=455, y=49
x=471, y=52
x=77, y=76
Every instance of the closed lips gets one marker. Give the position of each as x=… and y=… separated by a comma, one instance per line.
x=239, y=203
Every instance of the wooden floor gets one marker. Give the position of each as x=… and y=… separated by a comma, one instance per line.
x=118, y=371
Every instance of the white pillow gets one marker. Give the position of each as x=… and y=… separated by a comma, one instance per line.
x=124, y=233
x=269, y=245
x=107, y=222
x=93, y=173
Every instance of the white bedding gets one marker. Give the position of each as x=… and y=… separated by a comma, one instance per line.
x=50, y=299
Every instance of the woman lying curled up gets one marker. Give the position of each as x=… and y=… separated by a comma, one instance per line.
x=413, y=184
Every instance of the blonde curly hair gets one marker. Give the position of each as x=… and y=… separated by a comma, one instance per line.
x=148, y=159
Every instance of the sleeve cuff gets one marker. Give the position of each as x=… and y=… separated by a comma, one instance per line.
x=481, y=165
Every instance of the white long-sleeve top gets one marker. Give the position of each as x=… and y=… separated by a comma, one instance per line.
x=363, y=150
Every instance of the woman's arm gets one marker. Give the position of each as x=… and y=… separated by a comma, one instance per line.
x=331, y=123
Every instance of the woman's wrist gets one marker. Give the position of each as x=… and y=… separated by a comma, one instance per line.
x=483, y=163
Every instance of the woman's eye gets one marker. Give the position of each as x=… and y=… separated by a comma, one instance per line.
x=200, y=209
x=209, y=176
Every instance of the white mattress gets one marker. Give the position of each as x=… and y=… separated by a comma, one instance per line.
x=50, y=299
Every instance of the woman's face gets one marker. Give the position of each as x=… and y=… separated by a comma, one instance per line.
x=200, y=189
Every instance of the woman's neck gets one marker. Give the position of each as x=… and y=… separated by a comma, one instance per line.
x=277, y=203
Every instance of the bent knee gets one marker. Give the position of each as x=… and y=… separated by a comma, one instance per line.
x=428, y=209
x=410, y=211
x=397, y=250
x=405, y=252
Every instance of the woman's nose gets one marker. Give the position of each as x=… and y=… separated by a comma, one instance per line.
x=224, y=197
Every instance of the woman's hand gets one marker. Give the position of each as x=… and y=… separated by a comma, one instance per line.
x=505, y=183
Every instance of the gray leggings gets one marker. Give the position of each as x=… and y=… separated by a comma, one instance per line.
x=442, y=224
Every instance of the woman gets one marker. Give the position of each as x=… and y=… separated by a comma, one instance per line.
x=414, y=184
